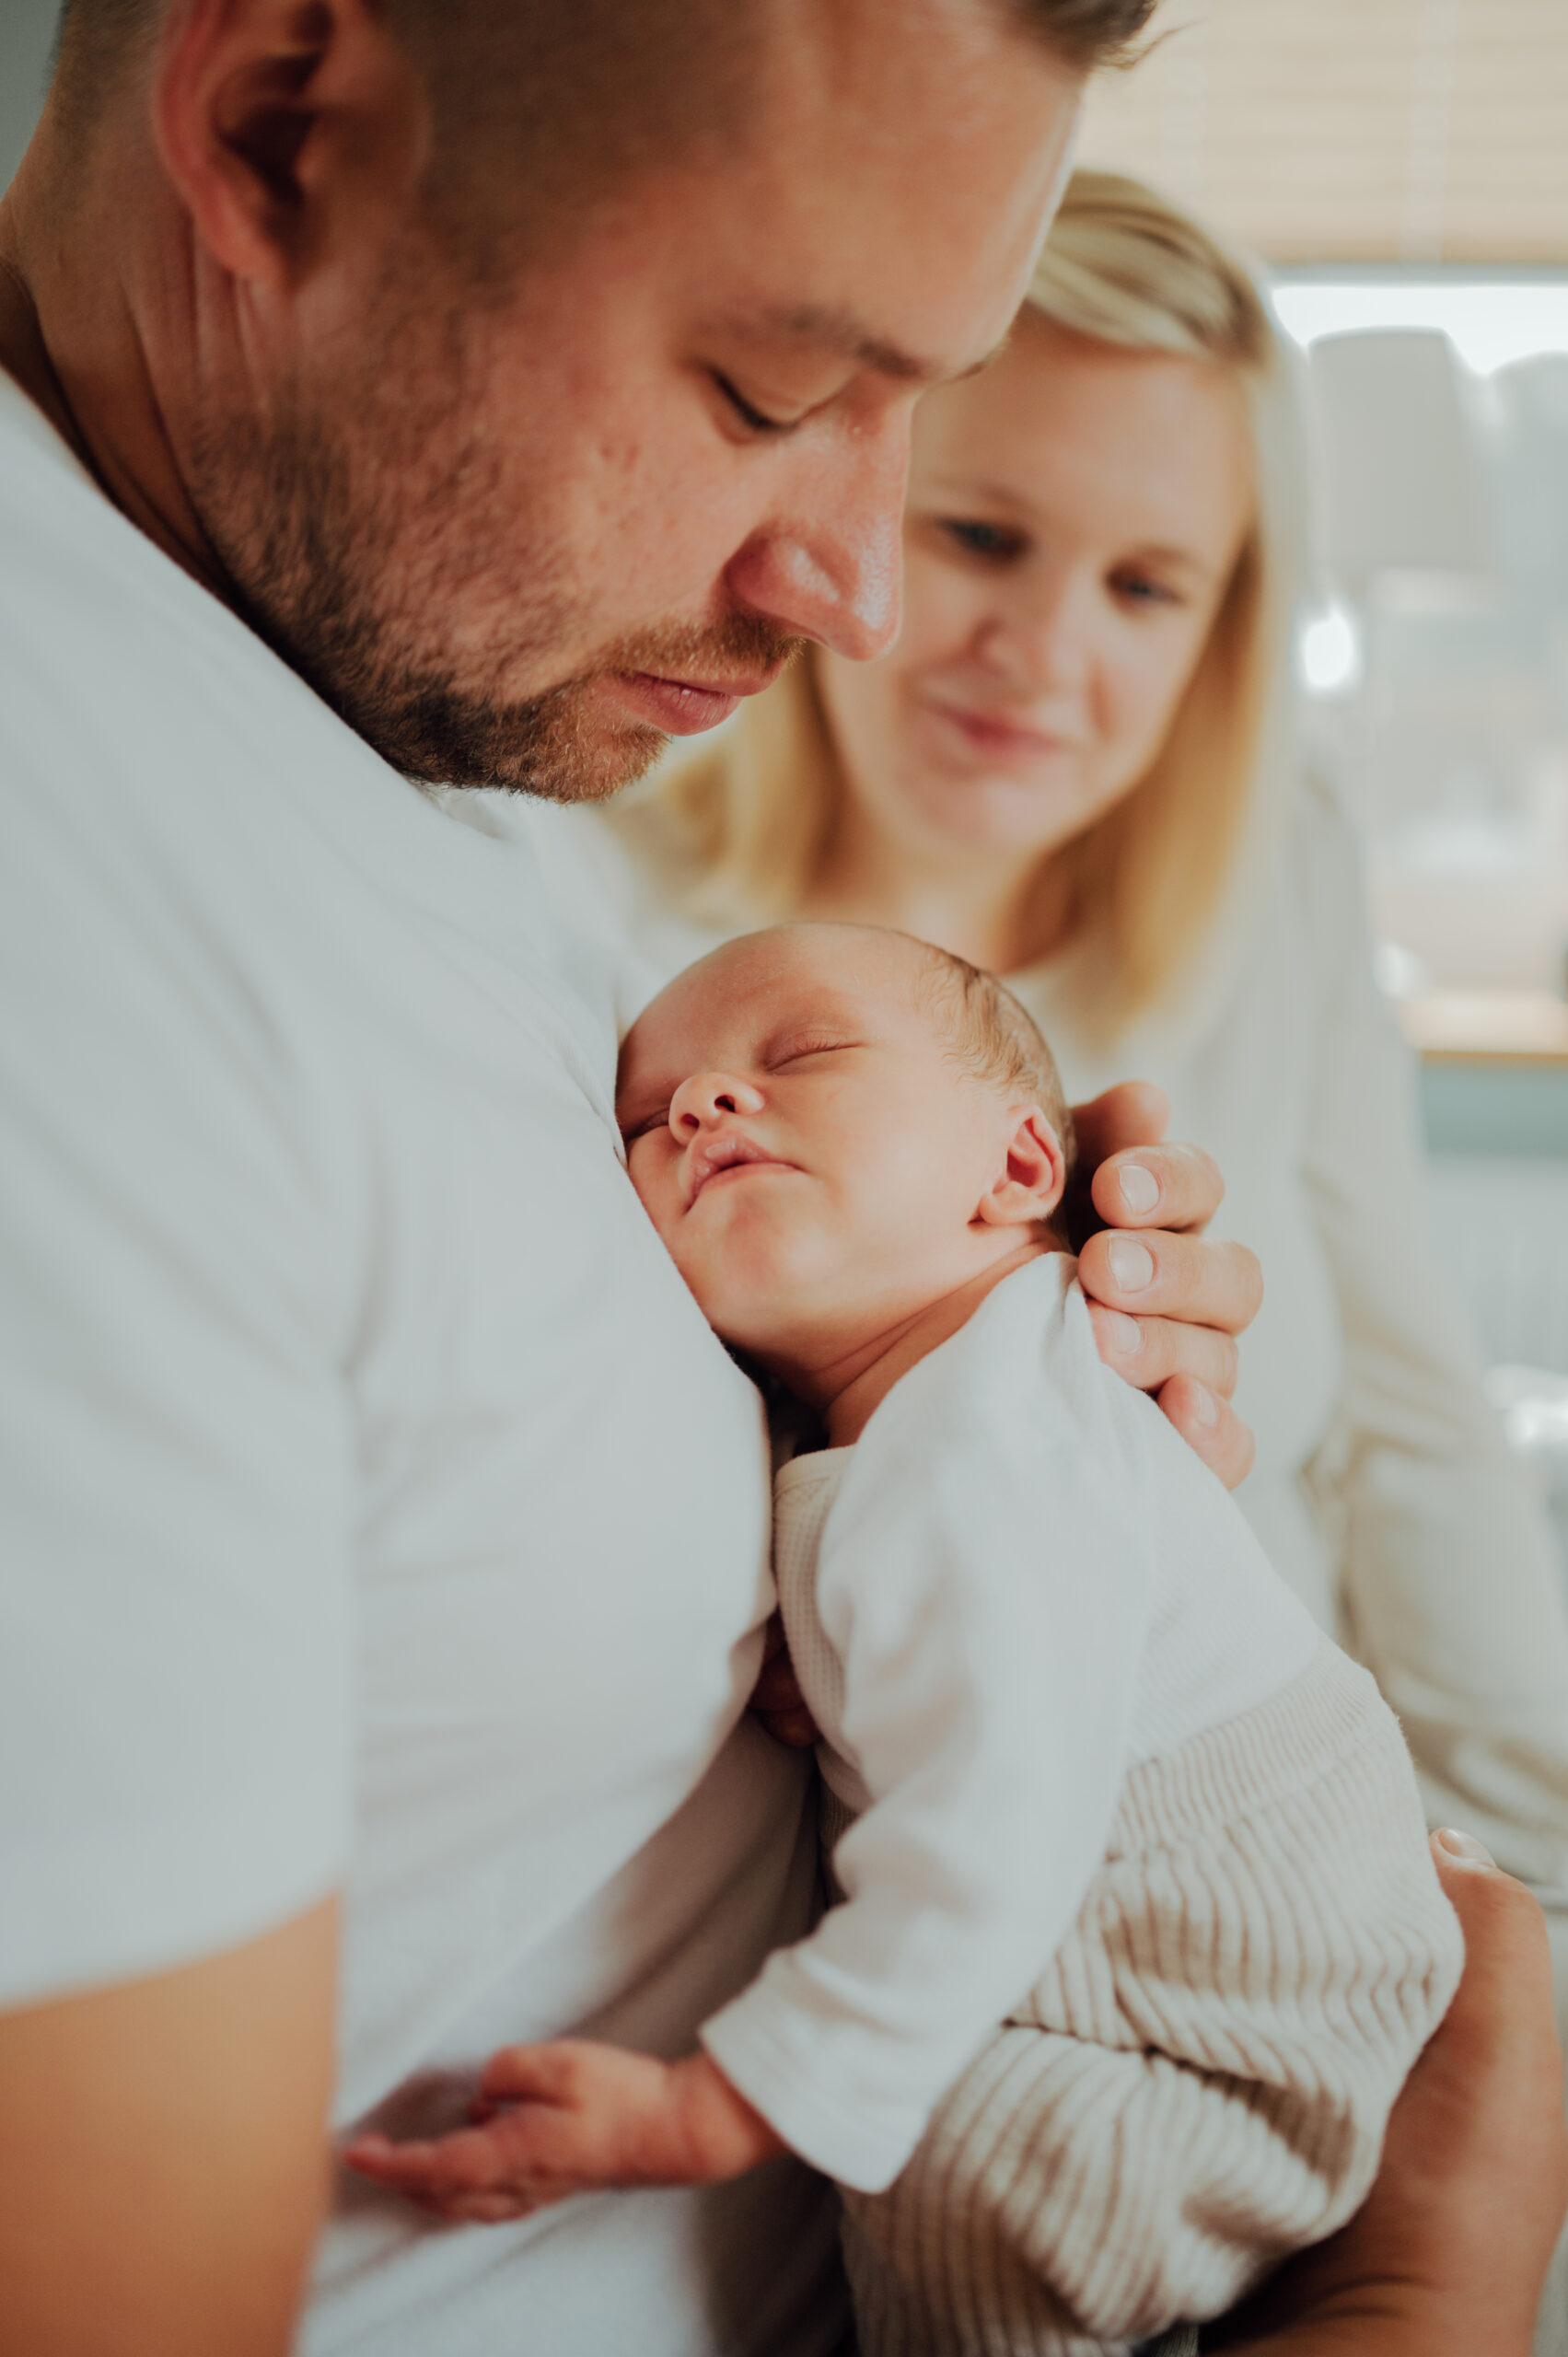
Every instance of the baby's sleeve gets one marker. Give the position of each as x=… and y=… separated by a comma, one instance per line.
x=985, y=1595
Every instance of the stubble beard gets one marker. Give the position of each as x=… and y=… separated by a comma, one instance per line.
x=368, y=555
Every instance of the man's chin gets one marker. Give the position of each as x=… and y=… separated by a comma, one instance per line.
x=553, y=749
x=582, y=773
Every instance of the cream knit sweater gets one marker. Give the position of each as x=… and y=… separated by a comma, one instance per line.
x=1070, y=1712
x=1198, y=2080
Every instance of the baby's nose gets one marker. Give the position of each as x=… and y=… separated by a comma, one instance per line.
x=707, y=1095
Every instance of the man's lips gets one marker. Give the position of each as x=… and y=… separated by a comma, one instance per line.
x=711, y=1158
x=685, y=707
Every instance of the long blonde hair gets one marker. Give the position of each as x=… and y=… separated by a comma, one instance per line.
x=741, y=828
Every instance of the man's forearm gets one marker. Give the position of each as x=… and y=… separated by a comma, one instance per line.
x=162, y=2155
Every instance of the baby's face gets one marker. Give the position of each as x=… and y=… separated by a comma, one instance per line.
x=805, y=1142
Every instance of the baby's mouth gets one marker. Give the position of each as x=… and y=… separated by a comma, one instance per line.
x=711, y=1159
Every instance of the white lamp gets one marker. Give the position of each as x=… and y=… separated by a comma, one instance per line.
x=1403, y=489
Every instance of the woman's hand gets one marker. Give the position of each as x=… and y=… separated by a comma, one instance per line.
x=1167, y=1306
x=1449, y=2254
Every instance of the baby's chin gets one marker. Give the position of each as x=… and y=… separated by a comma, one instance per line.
x=757, y=1294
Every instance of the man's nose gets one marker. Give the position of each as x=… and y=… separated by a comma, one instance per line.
x=828, y=565
x=706, y=1097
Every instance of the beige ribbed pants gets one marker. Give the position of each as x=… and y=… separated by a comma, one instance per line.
x=1198, y=2081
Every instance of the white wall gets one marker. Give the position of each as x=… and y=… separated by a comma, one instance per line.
x=26, y=29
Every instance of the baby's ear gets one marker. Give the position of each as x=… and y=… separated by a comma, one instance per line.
x=1028, y=1186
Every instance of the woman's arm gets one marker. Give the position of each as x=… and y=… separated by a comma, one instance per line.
x=1449, y=1575
x=1448, y=2256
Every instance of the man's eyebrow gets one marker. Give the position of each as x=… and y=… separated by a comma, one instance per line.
x=842, y=331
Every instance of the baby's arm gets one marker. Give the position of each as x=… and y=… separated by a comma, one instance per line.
x=985, y=1596
x=574, y=2117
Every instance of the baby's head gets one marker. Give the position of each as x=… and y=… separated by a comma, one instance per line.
x=834, y=1127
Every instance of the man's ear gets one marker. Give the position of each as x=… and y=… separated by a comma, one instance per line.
x=1028, y=1187
x=286, y=127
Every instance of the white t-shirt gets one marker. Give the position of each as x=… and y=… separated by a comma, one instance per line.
x=1018, y=1585
x=376, y=1506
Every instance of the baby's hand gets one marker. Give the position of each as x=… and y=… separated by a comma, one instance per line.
x=575, y=2118
x=776, y=1698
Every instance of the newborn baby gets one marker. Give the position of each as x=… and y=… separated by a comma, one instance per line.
x=1136, y=1932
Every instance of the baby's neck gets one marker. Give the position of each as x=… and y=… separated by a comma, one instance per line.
x=864, y=1380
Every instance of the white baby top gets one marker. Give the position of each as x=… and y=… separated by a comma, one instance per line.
x=1026, y=1584
x=350, y=1417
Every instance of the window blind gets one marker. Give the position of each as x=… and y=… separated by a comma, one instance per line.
x=1353, y=130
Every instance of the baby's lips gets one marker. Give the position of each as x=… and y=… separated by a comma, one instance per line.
x=707, y=1158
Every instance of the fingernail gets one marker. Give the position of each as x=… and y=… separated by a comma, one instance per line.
x=1132, y=1265
x=1140, y=1188
x=1464, y=1848
x=1204, y=1405
x=1124, y=1334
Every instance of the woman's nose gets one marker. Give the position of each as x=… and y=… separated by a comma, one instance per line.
x=1041, y=641
x=706, y=1097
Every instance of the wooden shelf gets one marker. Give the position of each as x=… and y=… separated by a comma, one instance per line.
x=1519, y=1028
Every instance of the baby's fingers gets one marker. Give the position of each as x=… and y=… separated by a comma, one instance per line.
x=552, y=2074
x=471, y=2162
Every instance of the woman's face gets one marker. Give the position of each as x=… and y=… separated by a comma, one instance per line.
x=1074, y=515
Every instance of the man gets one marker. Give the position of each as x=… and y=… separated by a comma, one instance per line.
x=436, y=391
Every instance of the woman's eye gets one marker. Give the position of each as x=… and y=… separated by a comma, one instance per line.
x=756, y=421
x=1140, y=589
x=995, y=541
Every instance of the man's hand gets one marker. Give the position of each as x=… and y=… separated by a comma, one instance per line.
x=1167, y=1306
x=1449, y=2252
x=574, y=2117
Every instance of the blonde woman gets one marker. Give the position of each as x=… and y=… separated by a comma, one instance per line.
x=1076, y=766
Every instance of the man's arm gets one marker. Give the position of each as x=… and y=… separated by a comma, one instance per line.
x=1167, y=1304
x=162, y=2155
x=1448, y=2256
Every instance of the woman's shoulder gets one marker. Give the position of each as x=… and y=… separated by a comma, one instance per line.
x=1303, y=900
x=1324, y=844
x=1294, y=924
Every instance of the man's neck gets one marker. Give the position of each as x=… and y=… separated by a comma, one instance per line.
x=848, y=1394
x=78, y=346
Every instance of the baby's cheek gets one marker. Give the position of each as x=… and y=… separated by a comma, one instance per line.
x=753, y=1280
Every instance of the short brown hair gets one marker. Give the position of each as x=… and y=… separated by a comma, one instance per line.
x=1086, y=33
x=994, y=1037
x=601, y=81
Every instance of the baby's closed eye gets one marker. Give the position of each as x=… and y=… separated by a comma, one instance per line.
x=644, y=1123
x=796, y=1049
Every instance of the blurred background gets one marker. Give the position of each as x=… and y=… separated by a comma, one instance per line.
x=1401, y=167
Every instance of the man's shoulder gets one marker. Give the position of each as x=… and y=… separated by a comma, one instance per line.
x=127, y=686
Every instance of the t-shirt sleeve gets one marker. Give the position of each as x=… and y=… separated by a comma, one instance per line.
x=175, y=1683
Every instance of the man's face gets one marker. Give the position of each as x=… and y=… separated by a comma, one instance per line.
x=522, y=538
x=807, y=1144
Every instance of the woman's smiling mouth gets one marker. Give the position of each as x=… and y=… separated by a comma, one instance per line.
x=996, y=733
